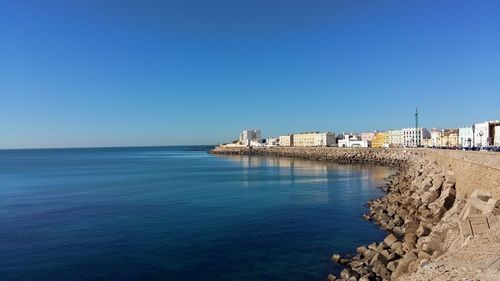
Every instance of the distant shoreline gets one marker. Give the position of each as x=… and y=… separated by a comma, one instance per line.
x=208, y=146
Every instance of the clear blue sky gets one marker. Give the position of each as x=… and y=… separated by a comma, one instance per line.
x=117, y=73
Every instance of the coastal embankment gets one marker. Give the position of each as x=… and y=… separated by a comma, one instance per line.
x=441, y=213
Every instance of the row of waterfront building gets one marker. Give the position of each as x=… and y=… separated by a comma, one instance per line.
x=480, y=135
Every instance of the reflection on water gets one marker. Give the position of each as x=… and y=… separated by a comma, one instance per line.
x=291, y=172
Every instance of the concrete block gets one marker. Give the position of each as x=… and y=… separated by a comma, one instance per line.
x=390, y=239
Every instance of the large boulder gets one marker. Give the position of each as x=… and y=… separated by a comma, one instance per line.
x=437, y=181
x=390, y=239
x=378, y=258
x=368, y=277
x=361, y=250
x=445, y=200
x=396, y=246
x=430, y=196
x=355, y=264
x=347, y=273
x=336, y=258
x=382, y=271
x=368, y=255
x=392, y=265
x=402, y=266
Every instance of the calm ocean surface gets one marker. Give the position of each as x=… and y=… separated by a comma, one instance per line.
x=178, y=213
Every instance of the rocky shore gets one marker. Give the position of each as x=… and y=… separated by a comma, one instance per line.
x=420, y=211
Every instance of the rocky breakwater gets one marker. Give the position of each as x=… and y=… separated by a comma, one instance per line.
x=418, y=197
x=387, y=157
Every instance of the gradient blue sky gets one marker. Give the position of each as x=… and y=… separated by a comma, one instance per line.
x=117, y=73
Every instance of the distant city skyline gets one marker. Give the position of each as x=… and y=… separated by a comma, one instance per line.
x=133, y=73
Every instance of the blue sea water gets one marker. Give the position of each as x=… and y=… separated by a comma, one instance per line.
x=178, y=213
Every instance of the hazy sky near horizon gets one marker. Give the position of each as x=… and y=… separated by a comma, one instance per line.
x=118, y=73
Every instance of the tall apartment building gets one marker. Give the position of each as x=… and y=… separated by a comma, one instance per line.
x=414, y=137
x=247, y=137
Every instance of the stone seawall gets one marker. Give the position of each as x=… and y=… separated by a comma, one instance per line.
x=422, y=210
x=473, y=169
x=388, y=157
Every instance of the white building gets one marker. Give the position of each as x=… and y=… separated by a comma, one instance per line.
x=481, y=134
x=396, y=138
x=466, y=136
x=352, y=141
x=414, y=137
x=272, y=141
x=250, y=137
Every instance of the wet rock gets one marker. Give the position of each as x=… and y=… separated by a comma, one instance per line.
x=331, y=277
x=347, y=273
x=361, y=250
x=344, y=261
x=355, y=264
x=368, y=277
x=378, y=258
x=385, y=253
x=362, y=270
x=368, y=255
x=373, y=246
x=381, y=246
x=336, y=258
